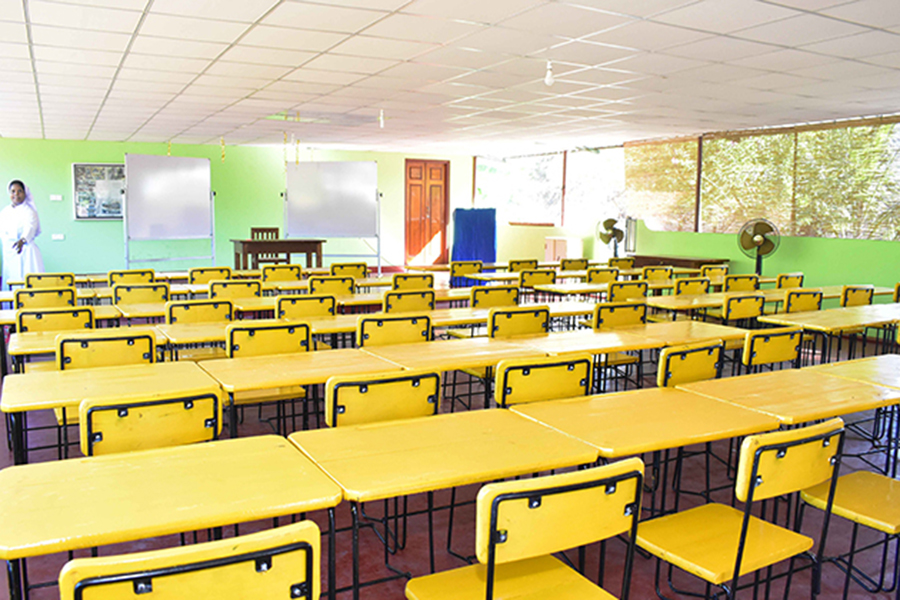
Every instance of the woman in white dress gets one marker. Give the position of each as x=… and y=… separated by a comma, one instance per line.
x=19, y=225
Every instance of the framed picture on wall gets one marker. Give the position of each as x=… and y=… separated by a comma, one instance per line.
x=98, y=190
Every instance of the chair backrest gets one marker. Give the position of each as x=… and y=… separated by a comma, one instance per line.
x=608, y=315
x=354, y=270
x=282, y=273
x=518, y=320
x=489, y=296
x=54, y=319
x=333, y=285
x=256, y=339
x=44, y=297
x=621, y=291
x=691, y=286
x=199, y=311
x=713, y=271
x=235, y=288
x=460, y=268
x=656, y=273
x=857, y=295
x=207, y=274
x=743, y=307
x=602, y=275
x=783, y=462
x=689, y=363
x=622, y=262
x=770, y=346
x=276, y=563
x=529, y=264
x=537, y=379
x=104, y=348
x=357, y=400
x=573, y=264
x=408, y=301
x=789, y=280
x=115, y=425
x=741, y=283
x=130, y=276
x=897, y=292
x=263, y=233
x=386, y=330
x=140, y=293
x=305, y=306
x=54, y=280
x=412, y=281
x=528, y=518
x=802, y=300
x=529, y=279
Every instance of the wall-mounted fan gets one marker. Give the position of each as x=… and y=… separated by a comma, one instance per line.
x=759, y=238
x=608, y=232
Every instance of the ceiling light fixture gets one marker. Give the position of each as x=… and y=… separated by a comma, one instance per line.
x=548, y=78
x=381, y=118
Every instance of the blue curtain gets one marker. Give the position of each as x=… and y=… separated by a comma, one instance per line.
x=475, y=234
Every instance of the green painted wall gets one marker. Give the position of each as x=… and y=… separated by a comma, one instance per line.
x=248, y=188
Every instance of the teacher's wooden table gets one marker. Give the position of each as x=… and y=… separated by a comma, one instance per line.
x=251, y=249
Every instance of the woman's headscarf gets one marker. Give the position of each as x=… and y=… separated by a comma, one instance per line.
x=29, y=200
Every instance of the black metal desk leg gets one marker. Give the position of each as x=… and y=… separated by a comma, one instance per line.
x=354, y=510
x=14, y=579
x=20, y=452
x=332, y=556
x=232, y=417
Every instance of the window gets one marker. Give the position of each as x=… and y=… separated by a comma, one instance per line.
x=523, y=190
x=595, y=188
x=661, y=184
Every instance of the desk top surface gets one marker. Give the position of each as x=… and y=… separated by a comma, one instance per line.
x=586, y=340
x=97, y=501
x=44, y=342
x=878, y=370
x=450, y=355
x=394, y=458
x=673, y=333
x=838, y=319
x=279, y=240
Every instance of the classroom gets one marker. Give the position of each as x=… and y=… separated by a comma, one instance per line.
x=429, y=299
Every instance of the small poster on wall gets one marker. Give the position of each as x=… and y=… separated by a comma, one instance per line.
x=98, y=190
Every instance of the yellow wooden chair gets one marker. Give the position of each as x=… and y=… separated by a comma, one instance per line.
x=656, y=273
x=412, y=281
x=104, y=348
x=520, y=524
x=516, y=266
x=857, y=295
x=129, y=424
x=305, y=306
x=54, y=319
x=358, y=270
x=770, y=347
x=396, y=329
x=276, y=563
x=198, y=311
x=333, y=285
x=44, y=298
x=719, y=543
x=362, y=399
x=621, y=263
x=573, y=264
x=741, y=283
x=140, y=293
x=622, y=291
x=742, y=309
x=52, y=280
x=789, y=280
x=688, y=363
x=602, y=275
x=896, y=297
x=714, y=271
x=690, y=286
x=528, y=278
x=520, y=320
x=802, y=300
x=282, y=273
x=234, y=289
x=408, y=301
x=608, y=315
x=460, y=268
x=491, y=296
x=201, y=275
x=537, y=379
x=130, y=276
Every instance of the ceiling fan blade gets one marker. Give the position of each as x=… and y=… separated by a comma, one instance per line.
x=762, y=228
x=747, y=240
x=766, y=247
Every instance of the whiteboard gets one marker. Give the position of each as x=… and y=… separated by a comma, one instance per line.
x=331, y=199
x=167, y=197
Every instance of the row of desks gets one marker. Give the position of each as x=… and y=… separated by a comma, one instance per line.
x=119, y=498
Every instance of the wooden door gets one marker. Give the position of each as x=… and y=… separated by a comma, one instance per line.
x=427, y=211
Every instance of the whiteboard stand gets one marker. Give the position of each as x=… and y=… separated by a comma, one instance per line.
x=212, y=242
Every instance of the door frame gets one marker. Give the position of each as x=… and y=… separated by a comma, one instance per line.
x=444, y=258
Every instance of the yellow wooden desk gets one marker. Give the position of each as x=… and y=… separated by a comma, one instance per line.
x=253, y=304
x=143, y=310
x=674, y=333
x=199, y=334
x=396, y=458
x=839, y=319
x=639, y=272
x=44, y=342
x=103, y=500
x=377, y=298
x=495, y=277
x=277, y=287
x=450, y=355
x=255, y=373
x=878, y=370
x=586, y=341
x=101, y=313
x=46, y=390
x=796, y=396
x=82, y=295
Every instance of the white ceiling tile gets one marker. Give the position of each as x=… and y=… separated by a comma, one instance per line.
x=83, y=17
x=206, y=30
x=562, y=20
x=165, y=63
x=360, y=45
x=586, y=53
x=725, y=17
x=598, y=76
x=322, y=17
x=149, y=86
x=771, y=81
x=319, y=76
x=423, y=73
x=233, y=69
x=390, y=83
x=796, y=31
x=75, y=81
x=147, y=44
x=874, y=13
x=86, y=92
x=891, y=60
x=492, y=79
x=476, y=11
x=647, y=35
x=719, y=72
x=287, y=97
x=13, y=32
x=467, y=58
x=247, y=11
x=843, y=70
x=267, y=56
x=250, y=83
x=302, y=87
x=15, y=64
x=292, y=39
x=421, y=29
x=12, y=11
x=18, y=77
x=74, y=55
x=350, y=64
x=9, y=50
x=861, y=45
x=783, y=60
x=15, y=87
x=721, y=48
x=151, y=75
x=75, y=38
x=655, y=64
